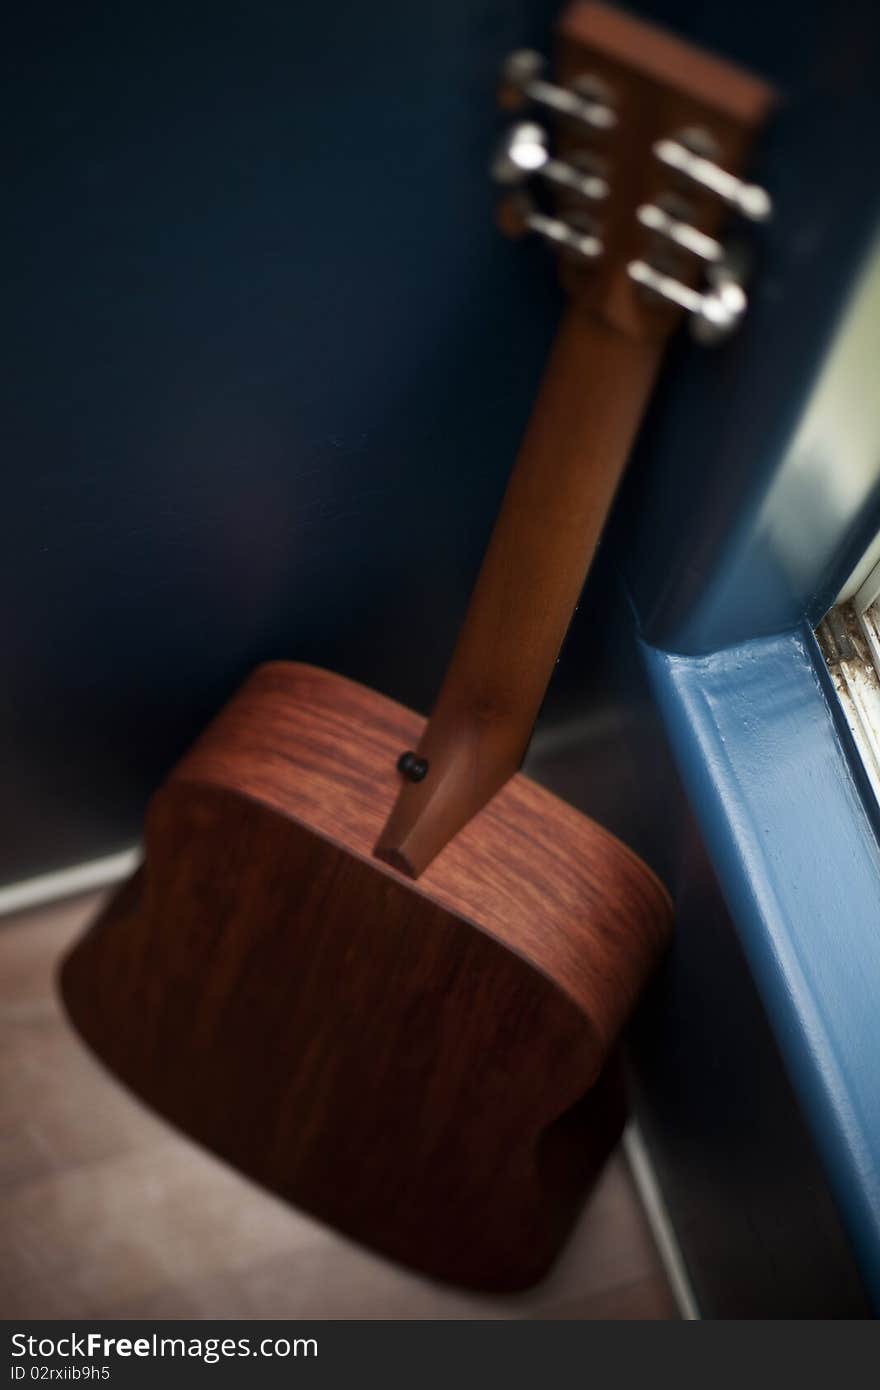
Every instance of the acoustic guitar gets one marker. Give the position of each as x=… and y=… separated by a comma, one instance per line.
x=366, y=960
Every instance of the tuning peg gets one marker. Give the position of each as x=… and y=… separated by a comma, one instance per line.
x=716, y=313
x=522, y=73
x=519, y=215
x=680, y=234
x=746, y=198
x=523, y=153
x=585, y=245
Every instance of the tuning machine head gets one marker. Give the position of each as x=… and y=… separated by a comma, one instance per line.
x=637, y=173
x=747, y=199
x=584, y=102
x=716, y=312
x=524, y=154
x=678, y=245
x=524, y=159
x=577, y=237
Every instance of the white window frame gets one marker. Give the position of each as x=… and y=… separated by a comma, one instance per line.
x=850, y=640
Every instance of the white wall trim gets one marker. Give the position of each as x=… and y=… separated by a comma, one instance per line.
x=79, y=878
x=662, y=1229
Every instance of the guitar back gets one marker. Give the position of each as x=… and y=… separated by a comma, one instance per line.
x=424, y=1065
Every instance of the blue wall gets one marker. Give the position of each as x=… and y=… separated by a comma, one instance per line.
x=756, y=490
x=267, y=361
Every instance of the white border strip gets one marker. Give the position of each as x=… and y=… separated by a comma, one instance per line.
x=66, y=883
x=662, y=1230
x=869, y=591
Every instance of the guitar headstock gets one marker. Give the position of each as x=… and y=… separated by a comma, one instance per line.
x=650, y=136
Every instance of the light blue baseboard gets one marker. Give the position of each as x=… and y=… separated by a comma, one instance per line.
x=798, y=861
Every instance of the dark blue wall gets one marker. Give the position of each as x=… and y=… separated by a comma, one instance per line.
x=266, y=364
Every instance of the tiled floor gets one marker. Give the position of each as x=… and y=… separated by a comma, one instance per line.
x=104, y=1212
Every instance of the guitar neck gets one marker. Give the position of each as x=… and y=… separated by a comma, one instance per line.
x=556, y=503
x=638, y=203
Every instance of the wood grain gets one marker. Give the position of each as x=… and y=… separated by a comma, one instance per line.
x=107, y=1213
x=724, y=90
x=428, y=1067
x=560, y=492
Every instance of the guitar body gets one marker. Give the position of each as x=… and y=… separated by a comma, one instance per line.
x=427, y=1066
